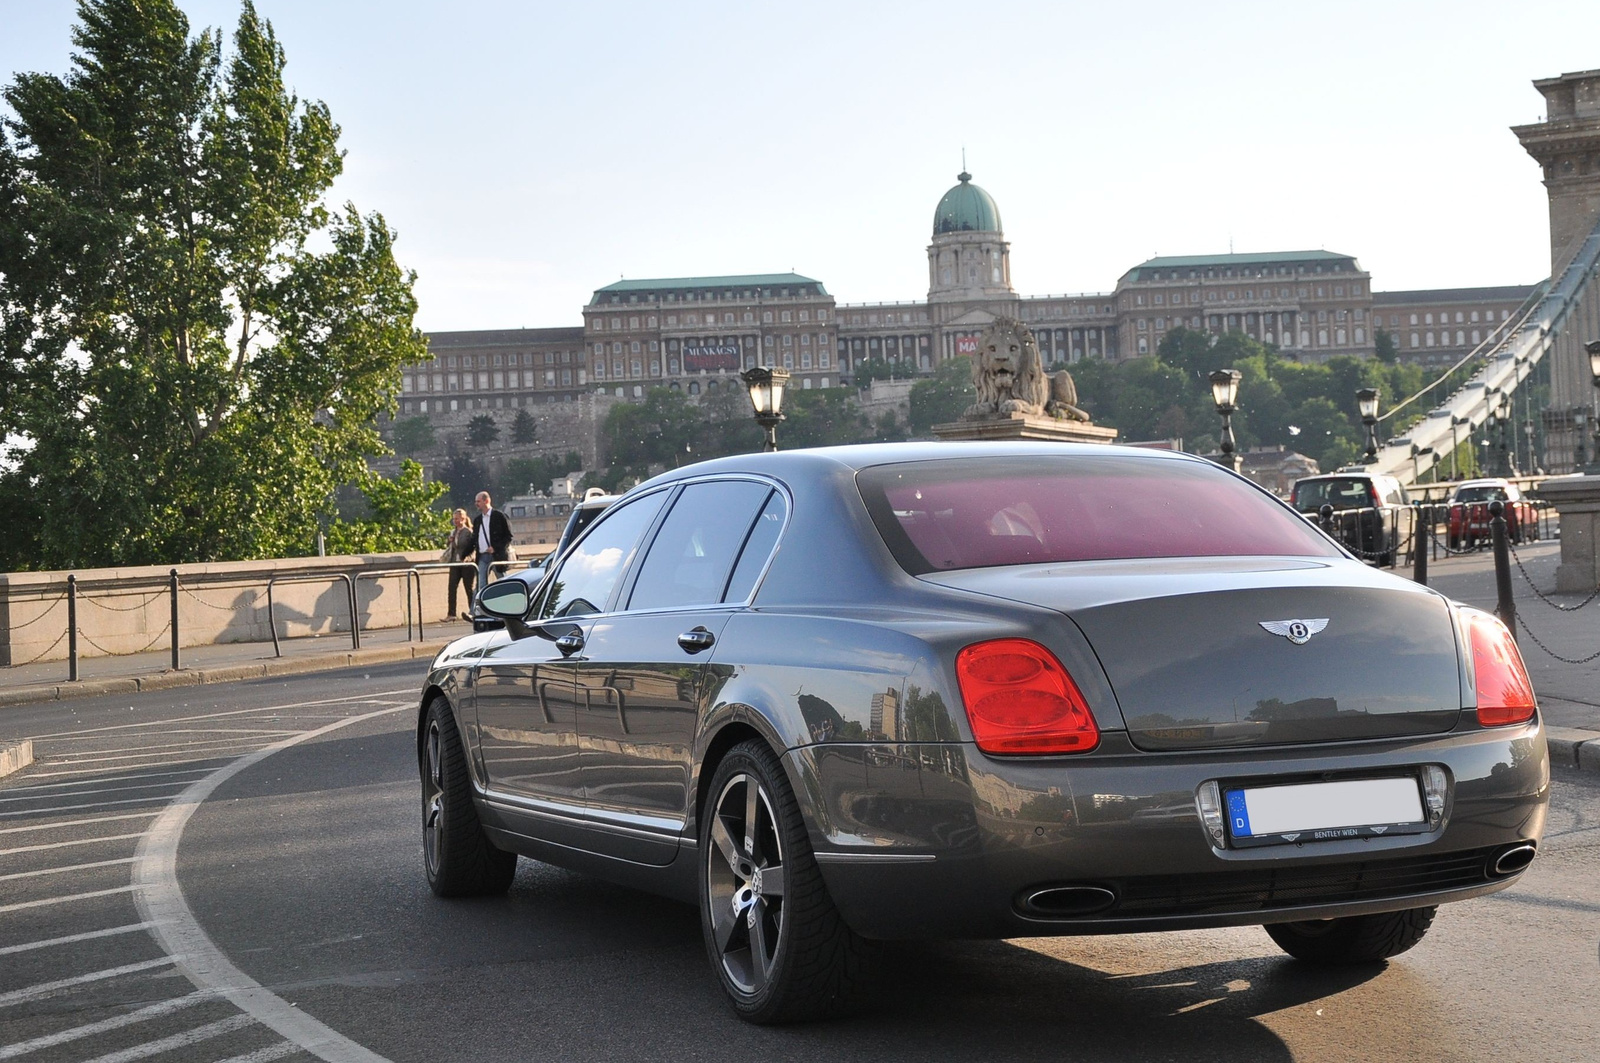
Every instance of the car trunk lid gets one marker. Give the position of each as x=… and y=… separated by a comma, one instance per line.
x=1231, y=652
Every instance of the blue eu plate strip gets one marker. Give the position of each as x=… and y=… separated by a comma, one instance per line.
x=1238, y=814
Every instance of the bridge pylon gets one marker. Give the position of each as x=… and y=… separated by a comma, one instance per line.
x=1567, y=147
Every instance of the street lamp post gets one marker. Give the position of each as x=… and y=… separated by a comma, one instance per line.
x=1527, y=433
x=1455, y=443
x=1593, y=350
x=766, y=384
x=1367, y=404
x=1225, y=393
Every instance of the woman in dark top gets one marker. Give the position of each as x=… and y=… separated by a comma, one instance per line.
x=457, y=549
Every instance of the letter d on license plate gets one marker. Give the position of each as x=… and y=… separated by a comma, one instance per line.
x=1324, y=811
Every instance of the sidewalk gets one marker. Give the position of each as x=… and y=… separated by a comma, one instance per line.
x=47, y=680
x=1569, y=694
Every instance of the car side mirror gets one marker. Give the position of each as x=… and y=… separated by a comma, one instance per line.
x=508, y=599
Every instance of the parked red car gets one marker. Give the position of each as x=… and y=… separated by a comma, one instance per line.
x=1469, y=512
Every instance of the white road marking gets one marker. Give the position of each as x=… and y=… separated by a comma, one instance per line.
x=90, y=935
x=63, y=845
x=85, y=793
x=187, y=731
x=81, y=822
x=65, y=899
x=177, y=1040
x=161, y=901
x=77, y=1033
x=234, y=712
x=44, y=989
x=108, y=779
x=17, y=813
x=265, y=1055
x=158, y=762
x=106, y=756
x=63, y=870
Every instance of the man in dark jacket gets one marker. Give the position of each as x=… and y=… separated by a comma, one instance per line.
x=491, y=536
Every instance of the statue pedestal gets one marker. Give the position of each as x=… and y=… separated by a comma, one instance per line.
x=1023, y=426
x=1577, y=499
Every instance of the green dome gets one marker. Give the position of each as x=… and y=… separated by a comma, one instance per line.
x=966, y=208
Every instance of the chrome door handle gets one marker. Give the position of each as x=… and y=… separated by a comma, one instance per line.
x=696, y=640
x=569, y=644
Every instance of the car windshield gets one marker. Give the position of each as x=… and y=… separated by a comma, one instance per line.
x=979, y=512
x=1339, y=492
x=1486, y=493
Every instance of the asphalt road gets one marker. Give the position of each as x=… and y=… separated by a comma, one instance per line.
x=234, y=873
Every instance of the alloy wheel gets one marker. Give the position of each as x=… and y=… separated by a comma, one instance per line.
x=745, y=883
x=432, y=797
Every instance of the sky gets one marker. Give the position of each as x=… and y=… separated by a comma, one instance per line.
x=528, y=153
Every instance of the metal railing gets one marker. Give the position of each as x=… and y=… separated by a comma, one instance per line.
x=350, y=595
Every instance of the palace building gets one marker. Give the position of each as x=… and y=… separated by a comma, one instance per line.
x=697, y=333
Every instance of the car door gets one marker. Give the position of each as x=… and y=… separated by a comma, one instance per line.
x=526, y=707
x=642, y=669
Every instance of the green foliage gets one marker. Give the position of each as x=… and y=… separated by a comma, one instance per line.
x=193, y=348
x=944, y=396
x=1388, y=349
x=414, y=434
x=482, y=430
x=521, y=474
x=403, y=515
x=877, y=368
x=1308, y=407
x=822, y=417
x=465, y=477
x=524, y=429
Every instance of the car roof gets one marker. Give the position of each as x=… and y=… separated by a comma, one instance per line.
x=856, y=457
x=1490, y=481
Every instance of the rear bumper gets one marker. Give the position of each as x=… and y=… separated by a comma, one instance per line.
x=942, y=841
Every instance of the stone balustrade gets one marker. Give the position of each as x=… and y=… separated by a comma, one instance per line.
x=129, y=610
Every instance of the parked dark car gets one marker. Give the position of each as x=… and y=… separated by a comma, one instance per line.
x=1469, y=512
x=1372, y=514
x=981, y=690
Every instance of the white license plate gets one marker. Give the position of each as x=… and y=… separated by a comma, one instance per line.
x=1324, y=811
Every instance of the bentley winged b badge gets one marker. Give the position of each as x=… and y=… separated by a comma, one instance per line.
x=1298, y=632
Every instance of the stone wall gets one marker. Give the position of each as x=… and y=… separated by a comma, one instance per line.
x=563, y=427
x=129, y=610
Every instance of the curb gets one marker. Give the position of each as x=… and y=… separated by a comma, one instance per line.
x=15, y=757
x=228, y=673
x=1573, y=747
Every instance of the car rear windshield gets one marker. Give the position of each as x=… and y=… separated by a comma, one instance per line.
x=981, y=512
x=1339, y=492
x=1488, y=493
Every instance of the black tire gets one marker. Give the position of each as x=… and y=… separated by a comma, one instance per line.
x=777, y=944
x=459, y=859
x=1354, y=939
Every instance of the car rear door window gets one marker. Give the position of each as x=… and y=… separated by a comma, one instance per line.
x=757, y=548
x=585, y=580
x=689, y=561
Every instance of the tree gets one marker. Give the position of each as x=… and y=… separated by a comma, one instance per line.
x=402, y=515
x=523, y=474
x=1388, y=350
x=195, y=349
x=877, y=368
x=944, y=396
x=466, y=478
x=482, y=430
x=524, y=429
x=414, y=434
x=822, y=417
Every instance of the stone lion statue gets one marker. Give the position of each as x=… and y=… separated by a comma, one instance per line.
x=1009, y=378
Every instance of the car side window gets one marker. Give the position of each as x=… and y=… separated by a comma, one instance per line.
x=689, y=561
x=585, y=580
x=757, y=548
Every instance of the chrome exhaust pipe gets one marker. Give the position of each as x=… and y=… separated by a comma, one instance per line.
x=1066, y=902
x=1512, y=860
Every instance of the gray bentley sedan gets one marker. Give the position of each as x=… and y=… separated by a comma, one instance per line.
x=980, y=690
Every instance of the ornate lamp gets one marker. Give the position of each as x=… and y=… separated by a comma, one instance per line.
x=1367, y=405
x=1593, y=350
x=1225, y=393
x=766, y=384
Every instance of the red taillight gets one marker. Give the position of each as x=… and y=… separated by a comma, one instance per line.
x=1020, y=700
x=1505, y=693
